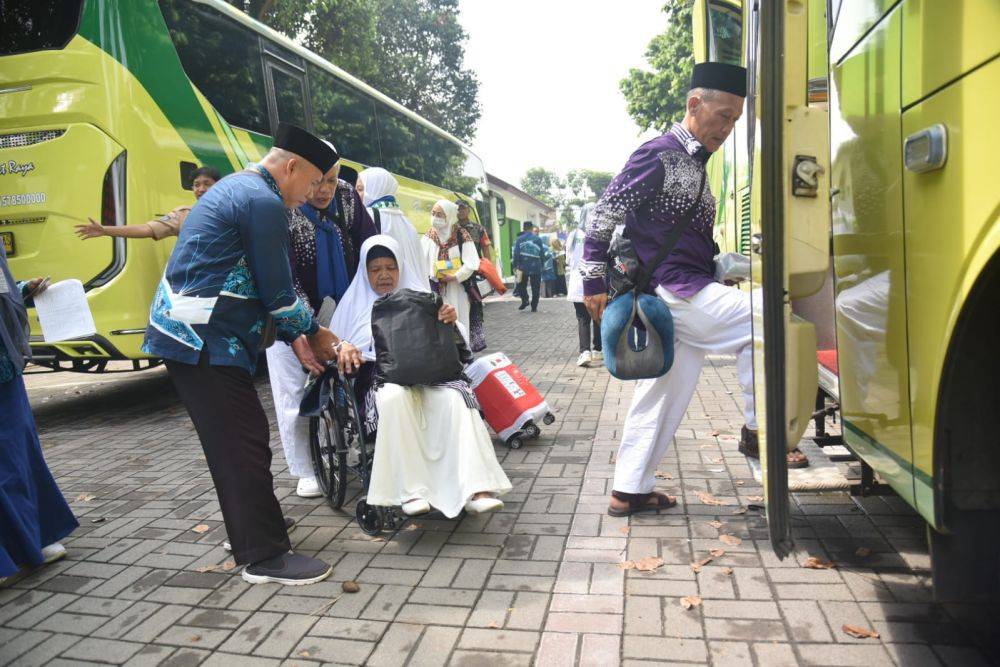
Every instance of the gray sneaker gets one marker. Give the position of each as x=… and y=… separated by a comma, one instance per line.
x=290, y=569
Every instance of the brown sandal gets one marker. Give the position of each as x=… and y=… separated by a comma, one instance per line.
x=639, y=503
x=750, y=447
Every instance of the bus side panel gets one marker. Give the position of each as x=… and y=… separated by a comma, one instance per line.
x=868, y=254
x=949, y=213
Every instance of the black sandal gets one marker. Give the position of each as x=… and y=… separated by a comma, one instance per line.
x=638, y=503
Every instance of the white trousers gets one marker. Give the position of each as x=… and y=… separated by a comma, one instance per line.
x=715, y=320
x=287, y=388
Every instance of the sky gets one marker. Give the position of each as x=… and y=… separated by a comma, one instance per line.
x=548, y=73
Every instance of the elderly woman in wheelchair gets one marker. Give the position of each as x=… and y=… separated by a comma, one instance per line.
x=432, y=448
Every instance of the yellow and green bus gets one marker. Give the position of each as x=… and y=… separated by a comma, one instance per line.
x=862, y=182
x=107, y=106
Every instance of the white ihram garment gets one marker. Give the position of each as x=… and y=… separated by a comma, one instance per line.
x=431, y=445
x=287, y=388
x=716, y=320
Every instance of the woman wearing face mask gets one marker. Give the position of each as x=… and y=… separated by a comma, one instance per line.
x=446, y=242
x=432, y=448
x=379, y=187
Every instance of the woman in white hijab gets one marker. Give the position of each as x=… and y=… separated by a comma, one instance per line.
x=379, y=189
x=432, y=448
x=447, y=241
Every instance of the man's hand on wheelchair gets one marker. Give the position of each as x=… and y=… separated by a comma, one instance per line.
x=448, y=314
x=349, y=358
x=303, y=350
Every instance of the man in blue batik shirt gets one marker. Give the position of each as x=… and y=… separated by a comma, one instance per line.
x=227, y=275
x=529, y=251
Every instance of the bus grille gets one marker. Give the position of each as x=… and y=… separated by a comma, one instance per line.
x=745, y=222
x=22, y=139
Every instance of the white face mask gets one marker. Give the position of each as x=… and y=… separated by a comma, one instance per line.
x=439, y=222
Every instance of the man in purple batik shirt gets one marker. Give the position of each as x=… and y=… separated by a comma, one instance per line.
x=658, y=185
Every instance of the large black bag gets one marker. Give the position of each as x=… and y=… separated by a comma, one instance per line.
x=411, y=345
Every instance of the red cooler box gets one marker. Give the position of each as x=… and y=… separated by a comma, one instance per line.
x=510, y=402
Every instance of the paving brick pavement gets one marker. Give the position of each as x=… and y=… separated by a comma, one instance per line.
x=538, y=583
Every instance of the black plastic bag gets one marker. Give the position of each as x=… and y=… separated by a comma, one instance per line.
x=411, y=345
x=623, y=267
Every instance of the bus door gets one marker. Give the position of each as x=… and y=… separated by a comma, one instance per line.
x=285, y=82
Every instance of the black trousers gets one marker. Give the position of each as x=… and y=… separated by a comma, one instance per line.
x=584, y=326
x=536, y=282
x=233, y=429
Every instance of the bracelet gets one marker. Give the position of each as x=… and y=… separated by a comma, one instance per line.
x=336, y=348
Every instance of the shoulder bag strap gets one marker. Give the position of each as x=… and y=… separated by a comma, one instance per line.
x=646, y=273
x=378, y=220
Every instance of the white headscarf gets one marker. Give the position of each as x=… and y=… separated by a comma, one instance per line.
x=450, y=219
x=352, y=321
x=380, y=183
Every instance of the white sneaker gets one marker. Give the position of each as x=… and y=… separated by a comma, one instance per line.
x=597, y=355
x=416, y=506
x=308, y=488
x=483, y=505
x=53, y=552
x=584, y=358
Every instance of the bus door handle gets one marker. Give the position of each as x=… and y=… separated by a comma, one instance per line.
x=756, y=241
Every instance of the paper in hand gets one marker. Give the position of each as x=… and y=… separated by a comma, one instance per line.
x=64, y=313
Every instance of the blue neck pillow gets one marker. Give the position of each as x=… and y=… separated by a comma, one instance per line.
x=637, y=334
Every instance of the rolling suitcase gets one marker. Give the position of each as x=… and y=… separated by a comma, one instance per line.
x=511, y=404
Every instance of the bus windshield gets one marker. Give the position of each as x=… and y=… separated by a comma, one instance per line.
x=36, y=25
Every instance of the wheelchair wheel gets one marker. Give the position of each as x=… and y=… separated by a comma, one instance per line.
x=369, y=518
x=329, y=455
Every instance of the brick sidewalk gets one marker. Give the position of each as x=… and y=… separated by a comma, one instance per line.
x=539, y=583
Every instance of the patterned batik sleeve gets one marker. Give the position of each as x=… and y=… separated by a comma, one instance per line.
x=264, y=232
x=638, y=182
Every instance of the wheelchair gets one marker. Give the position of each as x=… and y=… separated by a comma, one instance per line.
x=340, y=453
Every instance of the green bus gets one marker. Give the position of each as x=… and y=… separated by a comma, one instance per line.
x=106, y=107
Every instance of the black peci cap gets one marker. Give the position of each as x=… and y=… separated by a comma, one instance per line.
x=349, y=174
x=720, y=76
x=309, y=147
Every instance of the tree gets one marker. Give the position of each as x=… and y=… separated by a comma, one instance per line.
x=411, y=50
x=658, y=98
x=544, y=185
x=587, y=184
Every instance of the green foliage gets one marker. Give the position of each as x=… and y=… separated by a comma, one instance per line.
x=657, y=98
x=587, y=184
x=411, y=50
x=544, y=185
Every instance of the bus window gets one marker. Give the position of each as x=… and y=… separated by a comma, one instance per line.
x=399, y=136
x=345, y=116
x=222, y=59
x=289, y=98
x=725, y=44
x=34, y=25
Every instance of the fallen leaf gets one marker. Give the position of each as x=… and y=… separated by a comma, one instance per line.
x=99, y=519
x=731, y=540
x=350, y=587
x=717, y=460
x=85, y=497
x=510, y=609
x=690, y=601
x=708, y=498
x=378, y=539
x=863, y=552
x=755, y=499
x=728, y=571
x=207, y=568
x=814, y=563
x=715, y=434
x=493, y=624
x=717, y=553
x=195, y=638
x=740, y=510
x=200, y=528
x=696, y=567
x=715, y=524
x=303, y=654
x=659, y=474
x=228, y=565
x=859, y=633
x=624, y=530
x=740, y=482
x=647, y=564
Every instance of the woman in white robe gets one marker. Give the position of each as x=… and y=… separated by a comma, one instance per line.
x=432, y=448
x=379, y=188
x=446, y=240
